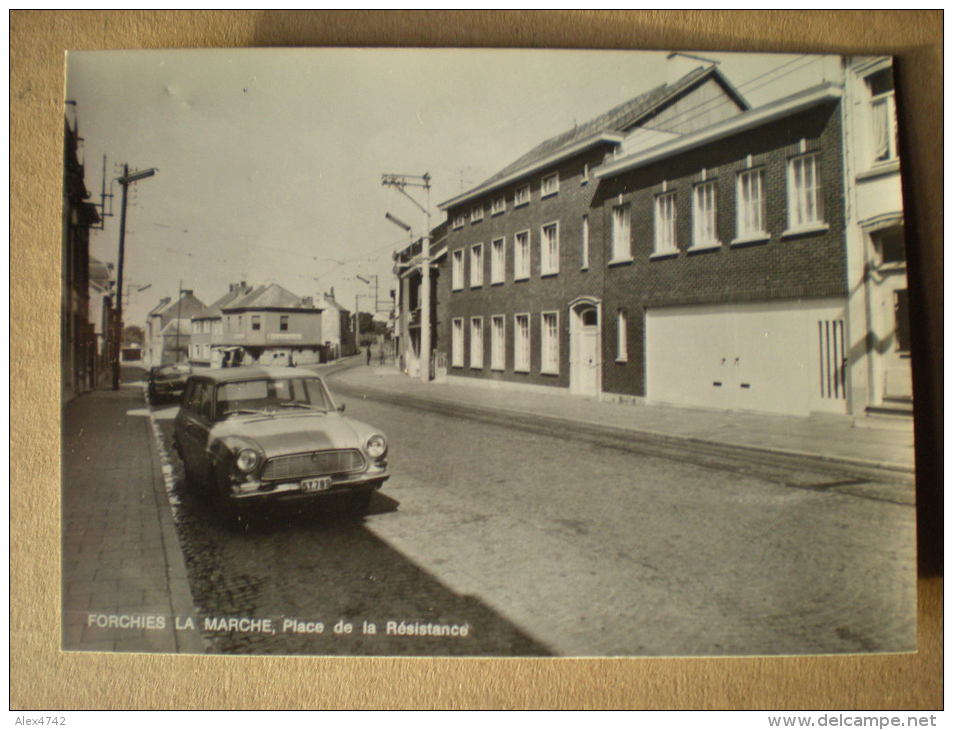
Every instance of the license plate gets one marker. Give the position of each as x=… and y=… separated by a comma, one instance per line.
x=316, y=485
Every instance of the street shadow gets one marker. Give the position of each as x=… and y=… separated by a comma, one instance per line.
x=316, y=563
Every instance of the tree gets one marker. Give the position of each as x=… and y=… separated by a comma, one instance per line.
x=133, y=335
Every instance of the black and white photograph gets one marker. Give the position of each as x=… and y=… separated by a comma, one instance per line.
x=485, y=353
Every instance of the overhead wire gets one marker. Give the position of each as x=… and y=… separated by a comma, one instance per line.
x=772, y=75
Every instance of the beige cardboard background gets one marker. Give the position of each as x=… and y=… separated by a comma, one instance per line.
x=42, y=677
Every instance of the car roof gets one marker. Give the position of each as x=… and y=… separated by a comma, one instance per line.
x=227, y=375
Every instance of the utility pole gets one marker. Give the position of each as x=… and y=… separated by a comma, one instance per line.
x=419, y=181
x=178, y=323
x=126, y=180
x=357, y=323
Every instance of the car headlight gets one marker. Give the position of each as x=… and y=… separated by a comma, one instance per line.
x=376, y=446
x=246, y=460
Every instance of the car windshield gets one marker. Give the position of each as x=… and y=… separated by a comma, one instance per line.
x=271, y=395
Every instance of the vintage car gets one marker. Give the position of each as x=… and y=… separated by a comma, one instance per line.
x=253, y=435
x=167, y=382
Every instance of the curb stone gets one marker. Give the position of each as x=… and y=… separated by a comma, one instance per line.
x=180, y=593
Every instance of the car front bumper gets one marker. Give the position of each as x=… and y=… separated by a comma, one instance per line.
x=256, y=491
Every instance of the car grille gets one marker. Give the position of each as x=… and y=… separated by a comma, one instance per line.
x=312, y=464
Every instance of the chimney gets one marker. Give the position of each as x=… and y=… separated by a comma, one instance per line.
x=187, y=292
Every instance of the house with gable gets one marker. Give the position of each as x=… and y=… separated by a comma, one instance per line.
x=270, y=326
x=208, y=329
x=166, y=342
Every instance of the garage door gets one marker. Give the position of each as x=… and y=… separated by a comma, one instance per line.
x=778, y=357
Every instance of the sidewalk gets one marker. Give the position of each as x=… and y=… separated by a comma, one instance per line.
x=878, y=444
x=123, y=573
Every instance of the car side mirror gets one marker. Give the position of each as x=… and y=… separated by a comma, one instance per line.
x=341, y=407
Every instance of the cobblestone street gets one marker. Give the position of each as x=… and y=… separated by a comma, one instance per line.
x=540, y=547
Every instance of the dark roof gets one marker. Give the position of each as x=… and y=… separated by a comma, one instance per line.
x=272, y=296
x=224, y=375
x=618, y=119
x=158, y=308
x=215, y=308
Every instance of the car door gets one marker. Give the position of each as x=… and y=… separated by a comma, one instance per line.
x=193, y=426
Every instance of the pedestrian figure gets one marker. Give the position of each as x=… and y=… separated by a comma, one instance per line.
x=368, y=355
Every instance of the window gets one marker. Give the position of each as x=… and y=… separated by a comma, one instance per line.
x=804, y=192
x=497, y=261
x=476, y=265
x=255, y=322
x=585, y=242
x=665, y=224
x=521, y=197
x=456, y=273
x=883, y=116
x=751, y=204
x=497, y=343
x=521, y=343
x=550, y=185
x=621, y=233
x=240, y=328
x=217, y=327
x=283, y=323
x=549, y=343
x=498, y=206
x=476, y=214
x=705, y=229
x=521, y=255
x=889, y=246
x=622, y=337
x=902, y=319
x=459, y=220
x=476, y=342
x=549, y=249
x=456, y=346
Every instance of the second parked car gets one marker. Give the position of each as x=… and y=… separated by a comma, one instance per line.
x=167, y=382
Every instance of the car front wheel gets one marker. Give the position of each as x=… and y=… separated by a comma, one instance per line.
x=231, y=514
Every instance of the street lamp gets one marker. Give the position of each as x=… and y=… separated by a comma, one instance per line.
x=125, y=180
x=397, y=221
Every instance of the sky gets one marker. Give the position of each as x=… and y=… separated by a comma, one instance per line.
x=270, y=160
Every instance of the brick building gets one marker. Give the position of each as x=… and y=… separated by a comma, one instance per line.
x=524, y=248
x=682, y=248
x=725, y=268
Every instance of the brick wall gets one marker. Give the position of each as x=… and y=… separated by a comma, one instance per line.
x=537, y=293
x=781, y=267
